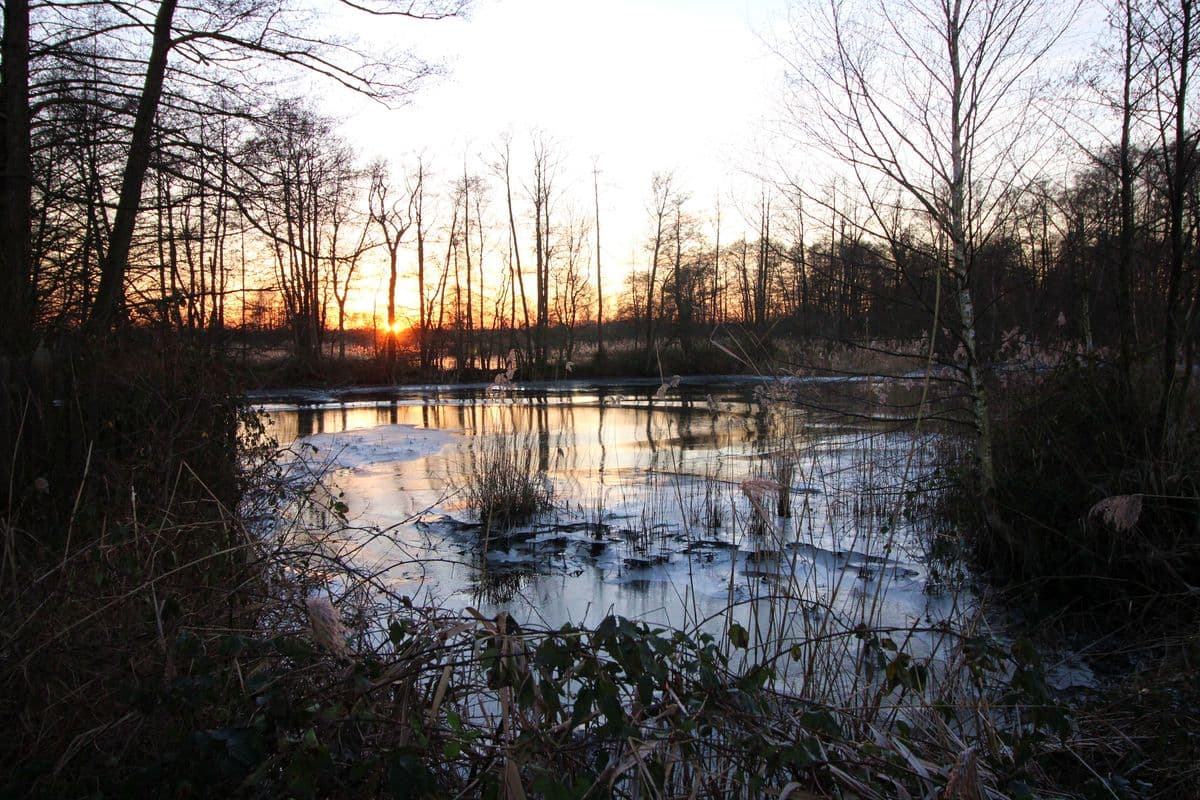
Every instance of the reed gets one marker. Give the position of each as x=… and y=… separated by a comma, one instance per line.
x=502, y=483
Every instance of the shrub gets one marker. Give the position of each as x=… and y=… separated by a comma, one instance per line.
x=1072, y=448
x=121, y=532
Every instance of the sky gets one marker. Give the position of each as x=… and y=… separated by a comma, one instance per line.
x=633, y=86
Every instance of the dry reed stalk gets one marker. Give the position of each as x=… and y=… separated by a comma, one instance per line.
x=963, y=781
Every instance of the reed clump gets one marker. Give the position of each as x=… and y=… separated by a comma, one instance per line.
x=503, y=483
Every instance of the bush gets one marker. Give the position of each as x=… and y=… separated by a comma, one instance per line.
x=1070, y=446
x=121, y=532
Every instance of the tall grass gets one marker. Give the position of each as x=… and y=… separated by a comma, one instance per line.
x=123, y=534
x=501, y=482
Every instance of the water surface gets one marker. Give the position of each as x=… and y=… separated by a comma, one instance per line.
x=656, y=511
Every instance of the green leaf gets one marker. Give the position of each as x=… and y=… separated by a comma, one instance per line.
x=738, y=636
x=293, y=647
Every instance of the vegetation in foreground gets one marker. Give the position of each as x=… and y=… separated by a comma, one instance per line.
x=163, y=643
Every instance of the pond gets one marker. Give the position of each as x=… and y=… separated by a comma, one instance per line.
x=692, y=504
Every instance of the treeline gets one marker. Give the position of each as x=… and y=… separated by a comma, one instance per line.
x=144, y=142
x=151, y=180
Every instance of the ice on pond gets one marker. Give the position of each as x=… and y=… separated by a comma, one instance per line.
x=650, y=518
x=385, y=444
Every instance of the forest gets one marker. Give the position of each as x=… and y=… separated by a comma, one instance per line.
x=977, y=220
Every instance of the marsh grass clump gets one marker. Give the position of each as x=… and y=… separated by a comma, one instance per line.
x=504, y=483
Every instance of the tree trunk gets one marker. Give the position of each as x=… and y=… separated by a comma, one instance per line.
x=1125, y=240
x=112, y=276
x=16, y=184
x=1178, y=175
x=516, y=251
x=469, y=345
x=599, y=273
x=423, y=316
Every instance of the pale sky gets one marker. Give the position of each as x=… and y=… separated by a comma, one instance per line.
x=635, y=86
x=640, y=85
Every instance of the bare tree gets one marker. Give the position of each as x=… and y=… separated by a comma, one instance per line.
x=300, y=164
x=930, y=97
x=504, y=167
x=571, y=289
x=1126, y=21
x=393, y=216
x=417, y=193
x=1170, y=31
x=599, y=272
x=661, y=192
x=112, y=274
x=345, y=218
x=763, y=262
x=540, y=195
x=16, y=182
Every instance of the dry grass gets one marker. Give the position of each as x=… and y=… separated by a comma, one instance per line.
x=501, y=482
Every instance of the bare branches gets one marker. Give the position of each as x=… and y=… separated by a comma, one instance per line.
x=411, y=9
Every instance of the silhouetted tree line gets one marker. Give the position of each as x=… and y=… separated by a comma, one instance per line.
x=150, y=179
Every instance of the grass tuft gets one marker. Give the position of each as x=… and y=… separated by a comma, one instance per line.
x=502, y=483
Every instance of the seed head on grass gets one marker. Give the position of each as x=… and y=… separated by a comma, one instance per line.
x=756, y=491
x=1120, y=512
x=327, y=628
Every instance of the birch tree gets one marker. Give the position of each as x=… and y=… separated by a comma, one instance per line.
x=931, y=101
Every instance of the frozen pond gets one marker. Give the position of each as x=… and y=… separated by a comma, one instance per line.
x=666, y=504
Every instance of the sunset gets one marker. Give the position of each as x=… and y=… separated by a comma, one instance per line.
x=575, y=399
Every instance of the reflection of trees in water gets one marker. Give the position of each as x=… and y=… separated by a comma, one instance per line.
x=305, y=419
x=559, y=424
x=600, y=436
x=543, y=438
